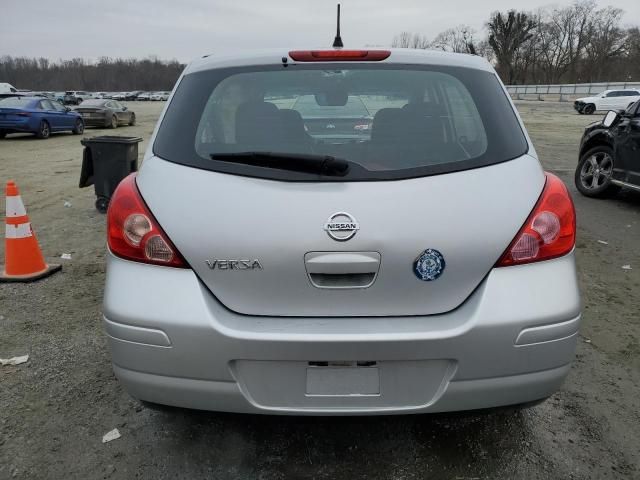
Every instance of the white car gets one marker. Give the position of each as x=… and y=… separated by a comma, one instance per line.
x=607, y=100
x=282, y=259
x=160, y=96
x=7, y=88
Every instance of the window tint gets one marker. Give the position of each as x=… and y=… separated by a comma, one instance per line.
x=389, y=121
x=58, y=107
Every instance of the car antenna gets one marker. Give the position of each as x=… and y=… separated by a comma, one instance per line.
x=337, y=42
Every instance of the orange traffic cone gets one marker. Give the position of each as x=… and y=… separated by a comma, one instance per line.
x=23, y=259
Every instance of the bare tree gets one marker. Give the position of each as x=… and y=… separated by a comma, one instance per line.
x=563, y=35
x=507, y=34
x=77, y=74
x=458, y=40
x=410, y=40
x=605, y=42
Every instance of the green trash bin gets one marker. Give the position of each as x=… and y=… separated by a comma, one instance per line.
x=106, y=160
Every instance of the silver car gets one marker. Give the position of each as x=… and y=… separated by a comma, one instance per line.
x=414, y=258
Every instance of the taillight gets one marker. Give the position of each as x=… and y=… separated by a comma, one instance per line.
x=550, y=230
x=133, y=233
x=339, y=55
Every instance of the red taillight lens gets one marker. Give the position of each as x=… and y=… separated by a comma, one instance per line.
x=133, y=233
x=339, y=55
x=550, y=230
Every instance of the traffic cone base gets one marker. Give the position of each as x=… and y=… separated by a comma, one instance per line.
x=32, y=277
x=24, y=261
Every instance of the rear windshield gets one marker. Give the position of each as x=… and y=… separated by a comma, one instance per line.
x=92, y=101
x=388, y=121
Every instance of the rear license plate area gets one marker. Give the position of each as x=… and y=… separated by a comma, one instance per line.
x=342, y=380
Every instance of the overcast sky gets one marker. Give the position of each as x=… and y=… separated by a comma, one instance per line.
x=184, y=29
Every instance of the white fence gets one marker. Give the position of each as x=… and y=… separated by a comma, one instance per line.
x=563, y=91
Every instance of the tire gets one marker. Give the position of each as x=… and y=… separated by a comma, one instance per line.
x=581, y=112
x=132, y=120
x=44, y=130
x=2, y=134
x=102, y=204
x=114, y=122
x=589, y=109
x=79, y=127
x=593, y=174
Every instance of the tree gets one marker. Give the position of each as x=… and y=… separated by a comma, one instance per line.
x=507, y=34
x=410, y=40
x=458, y=40
x=605, y=43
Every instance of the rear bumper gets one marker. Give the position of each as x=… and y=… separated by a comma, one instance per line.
x=511, y=342
x=96, y=122
x=27, y=125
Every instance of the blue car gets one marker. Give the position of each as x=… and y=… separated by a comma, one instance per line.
x=37, y=115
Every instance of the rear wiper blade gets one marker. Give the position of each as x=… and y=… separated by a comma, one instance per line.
x=296, y=162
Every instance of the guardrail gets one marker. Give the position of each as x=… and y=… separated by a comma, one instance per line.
x=563, y=91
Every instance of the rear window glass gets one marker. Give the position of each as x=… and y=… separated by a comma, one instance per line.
x=388, y=121
x=91, y=101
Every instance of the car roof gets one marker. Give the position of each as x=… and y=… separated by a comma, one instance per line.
x=243, y=58
x=28, y=100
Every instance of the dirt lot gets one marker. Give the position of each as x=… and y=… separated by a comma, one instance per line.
x=55, y=409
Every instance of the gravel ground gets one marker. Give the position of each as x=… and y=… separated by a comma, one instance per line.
x=55, y=409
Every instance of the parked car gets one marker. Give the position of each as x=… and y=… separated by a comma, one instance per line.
x=37, y=115
x=119, y=96
x=610, y=154
x=75, y=97
x=277, y=270
x=132, y=95
x=7, y=90
x=607, y=100
x=144, y=97
x=348, y=122
x=105, y=113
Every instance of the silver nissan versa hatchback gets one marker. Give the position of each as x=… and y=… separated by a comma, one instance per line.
x=341, y=232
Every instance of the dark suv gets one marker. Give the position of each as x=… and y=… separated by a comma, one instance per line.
x=610, y=154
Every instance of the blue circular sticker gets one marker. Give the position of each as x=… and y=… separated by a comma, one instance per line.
x=429, y=265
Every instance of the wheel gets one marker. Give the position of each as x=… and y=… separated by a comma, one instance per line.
x=114, y=122
x=593, y=174
x=589, y=109
x=581, y=112
x=102, y=204
x=132, y=120
x=79, y=127
x=2, y=134
x=43, y=130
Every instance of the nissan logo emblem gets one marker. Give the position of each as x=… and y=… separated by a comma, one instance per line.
x=341, y=226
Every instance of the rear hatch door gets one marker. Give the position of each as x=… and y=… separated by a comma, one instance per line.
x=262, y=246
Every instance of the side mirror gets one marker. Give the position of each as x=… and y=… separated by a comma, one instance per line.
x=124, y=109
x=67, y=109
x=610, y=118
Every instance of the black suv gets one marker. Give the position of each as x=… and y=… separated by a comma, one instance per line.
x=610, y=154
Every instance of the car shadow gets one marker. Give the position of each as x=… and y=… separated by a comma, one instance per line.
x=488, y=444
